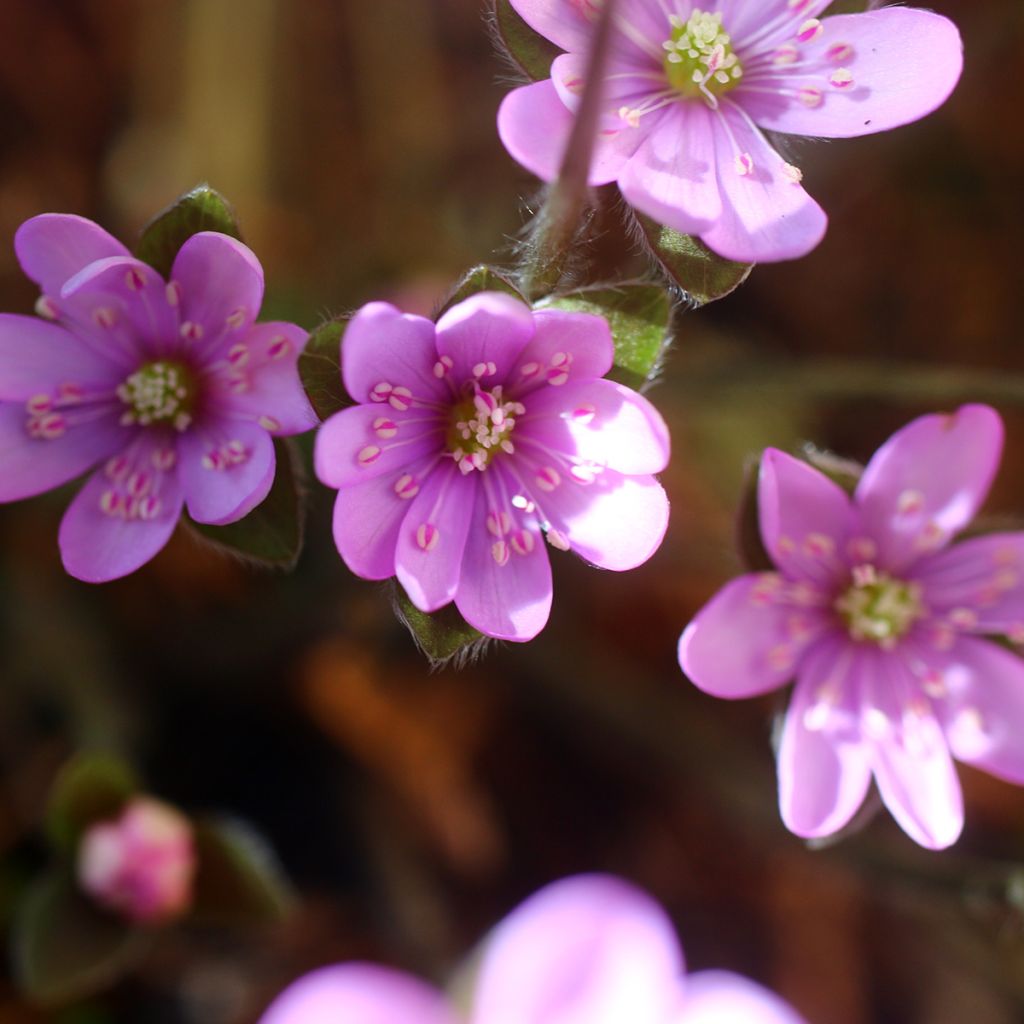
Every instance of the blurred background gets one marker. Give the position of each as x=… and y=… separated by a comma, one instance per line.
x=412, y=809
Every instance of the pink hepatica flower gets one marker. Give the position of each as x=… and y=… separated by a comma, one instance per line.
x=591, y=949
x=880, y=620
x=169, y=387
x=477, y=440
x=692, y=89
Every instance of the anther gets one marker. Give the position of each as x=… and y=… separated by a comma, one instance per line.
x=744, y=164
x=368, y=455
x=191, y=331
x=809, y=96
x=500, y=552
x=134, y=279
x=427, y=536
x=279, y=347
x=548, y=478
x=269, y=423
x=238, y=355
x=810, y=30
x=47, y=308
x=841, y=79
x=400, y=398
x=236, y=318
x=406, y=486
x=522, y=542
x=104, y=317
x=173, y=294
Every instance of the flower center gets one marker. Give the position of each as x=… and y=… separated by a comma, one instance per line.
x=157, y=393
x=699, y=59
x=481, y=426
x=879, y=608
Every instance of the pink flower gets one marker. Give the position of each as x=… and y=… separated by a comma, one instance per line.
x=141, y=865
x=586, y=950
x=692, y=89
x=477, y=440
x=879, y=619
x=170, y=387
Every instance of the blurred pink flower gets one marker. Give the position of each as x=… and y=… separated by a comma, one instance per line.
x=692, y=90
x=879, y=618
x=170, y=386
x=591, y=949
x=141, y=865
x=477, y=440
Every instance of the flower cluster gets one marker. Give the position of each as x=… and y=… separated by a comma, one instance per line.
x=691, y=91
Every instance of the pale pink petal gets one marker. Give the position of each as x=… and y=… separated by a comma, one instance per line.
x=744, y=642
x=365, y=441
x=119, y=521
x=358, y=993
x=484, y=336
x=584, y=950
x=824, y=769
x=55, y=246
x=719, y=997
x=432, y=539
x=868, y=73
x=757, y=27
x=805, y=518
x=766, y=214
x=582, y=337
x=983, y=714
x=566, y=23
x=226, y=469
x=382, y=349
x=928, y=481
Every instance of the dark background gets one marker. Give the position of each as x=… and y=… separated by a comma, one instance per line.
x=412, y=809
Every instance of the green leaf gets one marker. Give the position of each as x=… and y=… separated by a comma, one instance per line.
x=202, y=209
x=65, y=947
x=702, y=274
x=482, y=278
x=530, y=52
x=639, y=316
x=443, y=635
x=320, y=368
x=90, y=788
x=238, y=879
x=272, y=533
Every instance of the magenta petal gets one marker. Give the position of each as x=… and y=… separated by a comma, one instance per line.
x=432, y=539
x=221, y=285
x=983, y=715
x=747, y=22
x=928, y=481
x=902, y=64
x=484, y=336
x=36, y=358
x=55, y=246
x=510, y=598
x=566, y=24
x=742, y=643
x=824, y=771
x=719, y=997
x=358, y=993
x=226, y=469
x=805, y=518
x=384, y=347
x=585, y=338
x=31, y=466
x=96, y=546
x=588, y=949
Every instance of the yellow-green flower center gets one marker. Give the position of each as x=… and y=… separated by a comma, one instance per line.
x=878, y=608
x=159, y=392
x=699, y=59
x=481, y=426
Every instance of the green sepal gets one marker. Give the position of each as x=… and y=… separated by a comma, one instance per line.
x=528, y=50
x=202, y=209
x=443, y=635
x=90, y=788
x=238, y=879
x=482, y=278
x=272, y=533
x=703, y=275
x=65, y=947
x=639, y=316
x=320, y=368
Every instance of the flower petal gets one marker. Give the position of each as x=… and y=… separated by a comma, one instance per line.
x=766, y=214
x=30, y=466
x=718, y=997
x=226, y=469
x=590, y=949
x=567, y=24
x=744, y=642
x=55, y=246
x=896, y=65
x=484, y=336
x=586, y=339
x=431, y=542
x=824, y=771
x=384, y=346
x=758, y=27
x=358, y=993
x=983, y=714
x=103, y=539
x=928, y=481
x=805, y=518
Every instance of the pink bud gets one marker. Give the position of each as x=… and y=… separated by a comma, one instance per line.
x=140, y=865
